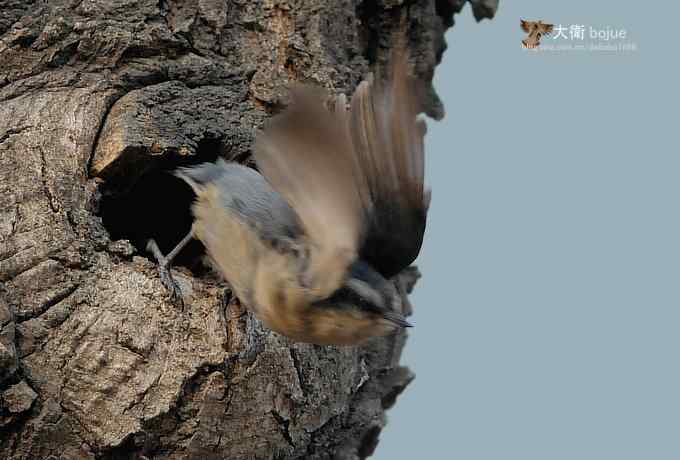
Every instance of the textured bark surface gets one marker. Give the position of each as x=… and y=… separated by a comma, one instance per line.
x=98, y=100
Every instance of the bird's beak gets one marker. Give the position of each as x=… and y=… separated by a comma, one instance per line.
x=397, y=319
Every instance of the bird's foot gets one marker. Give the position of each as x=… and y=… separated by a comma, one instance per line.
x=165, y=275
x=226, y=298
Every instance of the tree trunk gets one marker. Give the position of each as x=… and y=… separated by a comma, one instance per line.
x=99, y=99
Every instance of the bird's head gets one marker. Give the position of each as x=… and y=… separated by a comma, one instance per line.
x=366, y=305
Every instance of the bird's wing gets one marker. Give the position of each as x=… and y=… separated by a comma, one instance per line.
x=355, y=179
x=387, y=139
x=526, y=25
x=306, y=154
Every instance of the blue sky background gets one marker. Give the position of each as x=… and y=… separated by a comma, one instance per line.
x=548, y=319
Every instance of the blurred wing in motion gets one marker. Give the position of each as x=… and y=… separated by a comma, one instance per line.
x=355, y=179
x=306, y=154
x=387, y=139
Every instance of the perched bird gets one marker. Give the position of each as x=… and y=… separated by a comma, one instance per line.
x=340, y=207
x=536, y=30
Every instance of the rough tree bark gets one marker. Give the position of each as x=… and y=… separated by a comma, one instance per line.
x=98, y=100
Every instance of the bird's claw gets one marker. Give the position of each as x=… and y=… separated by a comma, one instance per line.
x=166, y=277
x=171, y=285
x=225, y=300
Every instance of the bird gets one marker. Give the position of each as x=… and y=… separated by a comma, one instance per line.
x=535, y=29
x=311, y=243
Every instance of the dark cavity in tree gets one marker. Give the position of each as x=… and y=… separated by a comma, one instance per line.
x=158, y=206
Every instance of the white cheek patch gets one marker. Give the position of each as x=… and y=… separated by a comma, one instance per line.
x=367, y=292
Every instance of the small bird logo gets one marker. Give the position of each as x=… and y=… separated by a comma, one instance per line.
x=536, y=30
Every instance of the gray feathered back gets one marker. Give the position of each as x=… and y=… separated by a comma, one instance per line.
x=248, y=194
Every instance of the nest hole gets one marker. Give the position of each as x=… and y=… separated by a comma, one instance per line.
x=158, y=206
